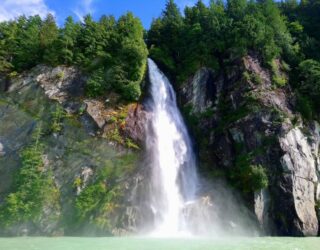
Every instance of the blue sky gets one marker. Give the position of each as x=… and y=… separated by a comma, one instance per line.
x=145, y=9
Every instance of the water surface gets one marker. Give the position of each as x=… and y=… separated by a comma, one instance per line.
x=113, y=243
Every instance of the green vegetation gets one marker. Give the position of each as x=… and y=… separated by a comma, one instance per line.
x=213, y=35
x=246, y=176
x=285, y=35
x=33, y=187
x=98, y=202
x=309, y=84
x=57, y=116
x=96, y=84
x=112, y=52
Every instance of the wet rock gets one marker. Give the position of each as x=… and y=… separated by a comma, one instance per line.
x=2, y=152
x=97, y=111
x=300, y=162
x=261, y=208
x=200, y=90
x=135, y=123
x=82, y=179
x=61, y=83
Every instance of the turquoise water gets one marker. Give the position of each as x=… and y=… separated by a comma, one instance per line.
x=264, y=243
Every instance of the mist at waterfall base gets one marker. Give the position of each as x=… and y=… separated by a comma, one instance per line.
x=182, y=203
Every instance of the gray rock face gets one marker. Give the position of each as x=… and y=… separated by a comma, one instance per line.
x=252, y=118
x=74, y=151
x=199, y=90
x=261, y=207
x=61, y=83
x=15, y=132
x=84, y=177
x=136, y=122
x=300, y=163
x=2, y=152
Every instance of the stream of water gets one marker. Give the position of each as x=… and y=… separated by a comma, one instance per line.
x=174, y=178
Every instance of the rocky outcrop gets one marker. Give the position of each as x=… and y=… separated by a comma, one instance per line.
x=239, y=116
x=76, y=150
x=135, y=123
x=300, y=164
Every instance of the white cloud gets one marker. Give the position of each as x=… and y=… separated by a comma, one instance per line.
x=83, y=8
x=10, y=9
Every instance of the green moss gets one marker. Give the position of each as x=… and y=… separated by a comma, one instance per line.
x=77, y=182
x=60, y=75
x=114, y=135
x=256, y=78
x=89, y=199
x=246, y=76
x=13, y=74
x=131, y=144
x=57, y=116
x=279, y=81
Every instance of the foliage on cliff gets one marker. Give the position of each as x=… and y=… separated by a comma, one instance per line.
x=214, y=35
x=112, y=51
x=33, y=190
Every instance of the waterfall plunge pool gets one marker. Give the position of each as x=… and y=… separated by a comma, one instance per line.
x=136, y=243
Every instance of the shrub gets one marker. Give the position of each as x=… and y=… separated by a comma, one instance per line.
x=57, y=117
x=131, y=92
x=279, y=81
x=309, y=76
x=33, y=187
x=304, y=106
x=96, y=84
x=256, y=78
x=60, y=75
x=248, y=177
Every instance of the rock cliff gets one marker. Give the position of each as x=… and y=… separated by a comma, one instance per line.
x=244, y=124
x=246, y=131
x=87, y=143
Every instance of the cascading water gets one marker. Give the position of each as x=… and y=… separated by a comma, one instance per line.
x=174, y=179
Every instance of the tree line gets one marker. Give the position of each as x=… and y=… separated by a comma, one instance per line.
x=112, y=52
x=216, y=34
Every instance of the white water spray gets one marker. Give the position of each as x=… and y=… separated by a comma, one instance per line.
x=174, y=178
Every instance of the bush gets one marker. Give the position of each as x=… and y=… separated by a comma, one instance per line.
x=309, y=76
x=33, y=186
x=279, y=81
x=57, y=116
x=304, y=106
x=248, y=177
x=96, y=84
x=89, y=198
x=131, y=92
x=60, y=75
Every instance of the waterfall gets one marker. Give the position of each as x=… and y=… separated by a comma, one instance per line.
x=174, y=179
